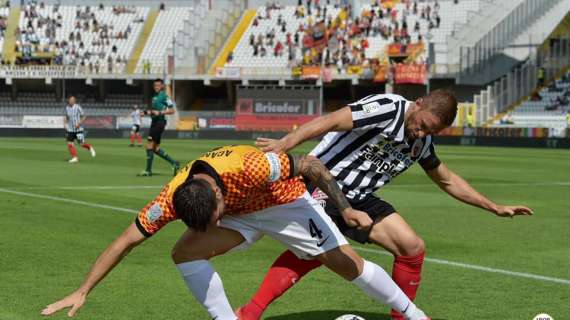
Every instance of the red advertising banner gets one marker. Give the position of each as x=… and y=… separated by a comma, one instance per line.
x=270, y=123
x=411, y=73
x=100, y=122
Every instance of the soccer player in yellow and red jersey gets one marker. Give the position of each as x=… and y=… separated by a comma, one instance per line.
x=229, y=198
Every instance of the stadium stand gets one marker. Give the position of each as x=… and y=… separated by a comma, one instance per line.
x=279, y=35
x=98, y=37
x=4, y=11
x=29, y=103
x=547, y=108
x=168, y=23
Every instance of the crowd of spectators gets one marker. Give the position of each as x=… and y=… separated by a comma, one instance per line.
x=40, y=39
x=340, y=41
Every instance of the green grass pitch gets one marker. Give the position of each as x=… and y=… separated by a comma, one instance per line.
x=47, y=246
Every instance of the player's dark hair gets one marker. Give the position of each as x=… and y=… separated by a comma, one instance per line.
x=443, y=104
x=194, y=202
x=158, y=80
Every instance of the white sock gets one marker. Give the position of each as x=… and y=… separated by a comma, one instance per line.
x=380, y=286
x=206, y=286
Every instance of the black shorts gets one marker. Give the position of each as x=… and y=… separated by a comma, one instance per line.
x=72, y=136
x=156, y=130
x=136, y=128
x=376, y=209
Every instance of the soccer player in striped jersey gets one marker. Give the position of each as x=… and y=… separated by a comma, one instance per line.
x=229, y=198
x=73, y=121
x=161, y=106
x=135, y=130
x=367, y=144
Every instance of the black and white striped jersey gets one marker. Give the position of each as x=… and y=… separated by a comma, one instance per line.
x=73, y=114
x=376, y=150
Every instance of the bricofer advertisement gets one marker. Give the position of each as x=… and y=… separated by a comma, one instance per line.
x=276, y=108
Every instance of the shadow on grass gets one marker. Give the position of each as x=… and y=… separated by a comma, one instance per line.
x=332, y=314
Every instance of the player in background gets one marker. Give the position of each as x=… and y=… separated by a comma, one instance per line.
x=368, y=144
x=135, y=130
x=73, y=123
x=161, y=106
x=229, y=198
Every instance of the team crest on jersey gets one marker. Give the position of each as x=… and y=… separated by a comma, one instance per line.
x=417, y=148
x=154, y=213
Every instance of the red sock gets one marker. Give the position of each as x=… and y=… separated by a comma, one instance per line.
x=132, y=138
x=406, y=272
x=139, y=138
x=72, y=150
x=86, y=146
x=282, y=275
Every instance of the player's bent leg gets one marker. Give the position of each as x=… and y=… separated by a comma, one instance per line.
x=284, y=273
x=394, y=234
x=191, y=254
x=371, y=278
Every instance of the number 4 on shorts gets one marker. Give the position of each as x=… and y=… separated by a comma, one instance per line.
x=314, y=230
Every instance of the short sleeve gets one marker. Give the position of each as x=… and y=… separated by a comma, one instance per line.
x=429, y=160
x=80, y=110
x=155, y=215
x=375, y=111
x=168, y=102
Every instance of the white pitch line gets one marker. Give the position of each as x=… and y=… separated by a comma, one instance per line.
x=377, y=251
x=83, y=203
x=476, y=267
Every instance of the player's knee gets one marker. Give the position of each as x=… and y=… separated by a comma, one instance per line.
x=344, y=261
x=412, y=245
x=180, y=254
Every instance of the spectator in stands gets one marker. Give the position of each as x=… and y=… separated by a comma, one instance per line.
x=278, y=49
x=568, y=123
x=540, y=76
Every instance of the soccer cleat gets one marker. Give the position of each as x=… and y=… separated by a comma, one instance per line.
x=131, y=145
x=73, y=160
x=419, y=315
x=92, y=150
x=176, y=168
x=145, y=173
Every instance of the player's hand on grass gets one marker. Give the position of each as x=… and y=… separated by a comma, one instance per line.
x=271, y=145
x=511, y=211
x=356, y=218
x=74, y=300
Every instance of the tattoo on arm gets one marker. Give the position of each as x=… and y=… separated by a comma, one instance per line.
x=311, y=168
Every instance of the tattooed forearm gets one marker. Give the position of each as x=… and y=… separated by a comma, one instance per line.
x=312, y=169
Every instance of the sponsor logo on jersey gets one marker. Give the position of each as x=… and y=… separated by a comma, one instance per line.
x=387, y=158
x=154, y=213
x=371, y=107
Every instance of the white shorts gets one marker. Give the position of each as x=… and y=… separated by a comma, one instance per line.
x=302, y=226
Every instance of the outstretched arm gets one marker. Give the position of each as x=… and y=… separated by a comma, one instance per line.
x=311, y=168
x=340, y=120
x=460, y=189
x=130, y=238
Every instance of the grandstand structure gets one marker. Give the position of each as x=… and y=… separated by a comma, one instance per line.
x=489, y=50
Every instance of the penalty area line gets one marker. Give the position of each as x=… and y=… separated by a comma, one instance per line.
x=359, y=248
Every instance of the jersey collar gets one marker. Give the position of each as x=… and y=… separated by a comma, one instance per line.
x=200, y=166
